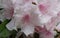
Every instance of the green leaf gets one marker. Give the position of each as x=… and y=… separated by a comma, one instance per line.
x=3, y=25
x=5, y=33
x=13, y=34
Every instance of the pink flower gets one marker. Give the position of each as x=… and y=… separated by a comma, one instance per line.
x=44, y=15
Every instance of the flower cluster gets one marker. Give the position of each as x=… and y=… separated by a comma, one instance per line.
x=42, y=16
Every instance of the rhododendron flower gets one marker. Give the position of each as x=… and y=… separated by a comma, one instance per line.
x=29, y=14
x=7, y=9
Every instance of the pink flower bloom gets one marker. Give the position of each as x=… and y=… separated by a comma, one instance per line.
x=44, y=14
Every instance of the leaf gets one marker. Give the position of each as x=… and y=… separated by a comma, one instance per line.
x=5, y=33
x=13, y=34
x=3, y=25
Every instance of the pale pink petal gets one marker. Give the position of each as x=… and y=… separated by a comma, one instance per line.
x=44, y=33
x=8, y=9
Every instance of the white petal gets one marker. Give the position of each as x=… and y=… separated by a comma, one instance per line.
x=28, y=30
x=45, y=19
x=11, y=25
